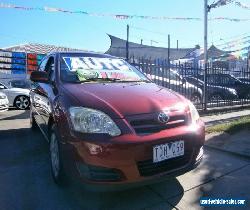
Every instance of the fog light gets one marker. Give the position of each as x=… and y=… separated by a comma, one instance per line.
x=93, y=148
x=199, y=156
x=97, y=173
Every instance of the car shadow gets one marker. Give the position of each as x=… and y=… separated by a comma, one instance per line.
x=14, y=114
x=26, y=181
x=145, y=197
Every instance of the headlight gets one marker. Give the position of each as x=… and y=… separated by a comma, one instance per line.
x=87, y=120
x=233, y=91
x=2, y=97
x=193, y=112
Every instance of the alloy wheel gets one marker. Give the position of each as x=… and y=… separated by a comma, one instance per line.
x=195, y=99
x=22, y=102
x=216, y=98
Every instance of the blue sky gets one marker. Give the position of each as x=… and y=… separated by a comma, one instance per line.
x=89, y=32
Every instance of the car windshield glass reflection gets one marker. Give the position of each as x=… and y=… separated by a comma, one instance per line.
x=96, y=69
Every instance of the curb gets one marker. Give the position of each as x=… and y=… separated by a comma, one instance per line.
x=227, y=151
x=227, y=120
x=223, y=109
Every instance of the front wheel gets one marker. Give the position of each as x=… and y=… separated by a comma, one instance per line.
x=22, y=102
x=55, y=158
x=195, y=98
x=216, y=97
x=33, y=124
x=248, y=96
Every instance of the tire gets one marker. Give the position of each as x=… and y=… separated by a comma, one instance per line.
x=195, y=98
x=33, y=124
x=248, y=96
x=216, y=97
x=55, y=158
x=22, y=102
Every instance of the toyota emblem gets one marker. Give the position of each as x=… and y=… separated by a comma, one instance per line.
x=163, y=117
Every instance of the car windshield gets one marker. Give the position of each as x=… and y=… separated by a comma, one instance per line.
x=19, y=84
x=5, y=85
x=80, y=68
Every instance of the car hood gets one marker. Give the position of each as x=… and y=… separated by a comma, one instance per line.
x=123, y=99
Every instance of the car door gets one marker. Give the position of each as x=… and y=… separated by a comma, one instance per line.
x=43, y=95
x=37, y=97
x=227, y=81
x=51, y=92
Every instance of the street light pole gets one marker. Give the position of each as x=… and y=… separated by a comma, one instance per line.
x=205, y=55
x=127, y=44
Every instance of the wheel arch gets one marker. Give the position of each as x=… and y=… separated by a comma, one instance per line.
x=216, y=93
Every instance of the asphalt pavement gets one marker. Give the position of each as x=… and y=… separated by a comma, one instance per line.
x=26, y=182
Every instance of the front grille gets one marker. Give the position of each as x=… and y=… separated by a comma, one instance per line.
x=152, y=125
x=148, y=168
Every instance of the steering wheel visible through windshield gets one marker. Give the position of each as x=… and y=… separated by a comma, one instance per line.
x=79, y=68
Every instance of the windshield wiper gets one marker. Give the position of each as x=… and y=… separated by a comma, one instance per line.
x=112, y=80
x=147, y=81
x=100, y=79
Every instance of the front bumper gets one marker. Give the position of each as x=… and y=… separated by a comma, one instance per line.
x=129, y=163
x=4, y=107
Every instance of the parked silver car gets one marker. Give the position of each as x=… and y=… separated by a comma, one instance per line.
x=17, y=97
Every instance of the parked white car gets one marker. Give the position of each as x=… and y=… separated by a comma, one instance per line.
x=17, y=97
x=4, y=102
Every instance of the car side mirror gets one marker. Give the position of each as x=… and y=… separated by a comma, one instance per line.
x=39, y=76
x=2, y=87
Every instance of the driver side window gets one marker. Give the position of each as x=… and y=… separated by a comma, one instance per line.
x=50, y=68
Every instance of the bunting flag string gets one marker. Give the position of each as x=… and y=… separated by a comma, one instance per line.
x=234, y=41
x=122, y=16
x=225, y=2
x=243, y=6
x=236, y=44
x=231, y=19
x=116, y=16
x=220, y=3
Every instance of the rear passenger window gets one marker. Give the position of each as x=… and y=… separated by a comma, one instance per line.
x=42, y=65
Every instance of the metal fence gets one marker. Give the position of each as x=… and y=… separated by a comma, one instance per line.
x=223, y=87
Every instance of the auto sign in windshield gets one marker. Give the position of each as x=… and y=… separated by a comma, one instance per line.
x=95, y=69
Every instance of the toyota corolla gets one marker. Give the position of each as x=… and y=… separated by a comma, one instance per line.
x=107, y=124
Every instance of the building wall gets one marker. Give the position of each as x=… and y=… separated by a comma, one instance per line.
x=18, y=65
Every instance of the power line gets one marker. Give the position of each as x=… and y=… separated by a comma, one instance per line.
x=231, y=37
x=144, y=29
x=154, y=32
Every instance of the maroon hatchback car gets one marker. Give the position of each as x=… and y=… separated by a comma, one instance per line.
x=107, y=124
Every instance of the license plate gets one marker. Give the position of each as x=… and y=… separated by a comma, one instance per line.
x=168, y=151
